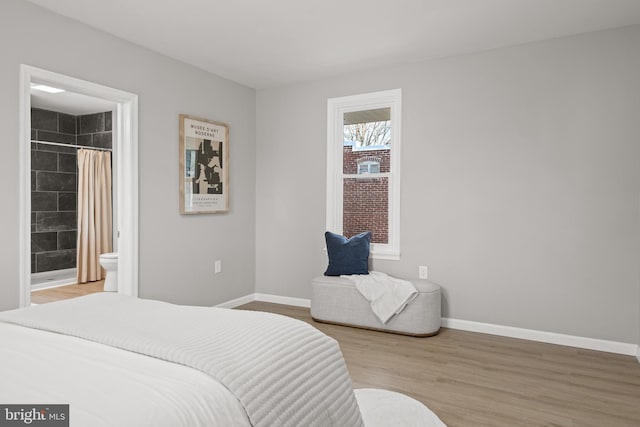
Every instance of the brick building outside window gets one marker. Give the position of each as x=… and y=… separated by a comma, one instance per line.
x=366, y=196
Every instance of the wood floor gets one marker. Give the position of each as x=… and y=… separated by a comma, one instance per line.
x=66, y=292
x=471, y=379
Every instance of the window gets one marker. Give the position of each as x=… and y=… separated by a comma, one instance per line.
x=363, y=169
x=368, y=166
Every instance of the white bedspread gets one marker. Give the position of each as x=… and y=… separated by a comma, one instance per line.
x=283, y=371
x=109, y=387
x=387, y=295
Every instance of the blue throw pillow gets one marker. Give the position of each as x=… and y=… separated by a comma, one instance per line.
x=347, y=256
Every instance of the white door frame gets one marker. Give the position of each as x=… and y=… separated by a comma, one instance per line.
x=126, y=180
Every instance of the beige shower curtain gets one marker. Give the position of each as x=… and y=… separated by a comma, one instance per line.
x=94, y=213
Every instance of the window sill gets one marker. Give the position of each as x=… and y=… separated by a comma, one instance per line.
x=386, y=254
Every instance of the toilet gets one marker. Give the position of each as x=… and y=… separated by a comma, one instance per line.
x=109, y=262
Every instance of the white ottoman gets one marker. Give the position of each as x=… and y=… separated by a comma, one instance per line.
x=336, y=300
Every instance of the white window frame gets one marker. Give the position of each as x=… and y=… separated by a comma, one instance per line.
x=336, y=108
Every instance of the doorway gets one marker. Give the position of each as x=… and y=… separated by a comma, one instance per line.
x=123, y=117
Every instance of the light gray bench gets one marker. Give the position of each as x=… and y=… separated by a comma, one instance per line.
x=336, y=300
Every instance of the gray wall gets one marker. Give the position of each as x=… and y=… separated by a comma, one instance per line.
x=176, y=252
x=520, y=175
x=520, y=183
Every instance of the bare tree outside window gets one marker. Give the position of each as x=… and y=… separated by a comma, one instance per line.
x=369, y=134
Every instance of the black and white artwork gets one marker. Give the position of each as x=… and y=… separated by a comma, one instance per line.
x=207, y=168
x=203, y=166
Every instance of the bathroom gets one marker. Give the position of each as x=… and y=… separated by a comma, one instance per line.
x=66, y=126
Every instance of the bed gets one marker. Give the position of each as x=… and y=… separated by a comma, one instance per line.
x=124, y=361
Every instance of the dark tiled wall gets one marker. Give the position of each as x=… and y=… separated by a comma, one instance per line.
x=94, y=130
x=54, y=177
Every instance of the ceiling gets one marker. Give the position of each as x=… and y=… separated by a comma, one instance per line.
x=265, y=44
x=72, y=103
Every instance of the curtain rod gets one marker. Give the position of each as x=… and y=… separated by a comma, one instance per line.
x=70, y=145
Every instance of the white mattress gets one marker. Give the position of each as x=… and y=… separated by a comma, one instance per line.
x=106, y=386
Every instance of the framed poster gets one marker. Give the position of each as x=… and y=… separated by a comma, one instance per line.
x=204, y=166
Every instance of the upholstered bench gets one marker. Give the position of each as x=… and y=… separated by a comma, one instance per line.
x=336, y=300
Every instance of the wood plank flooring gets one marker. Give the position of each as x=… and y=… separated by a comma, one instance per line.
x=65, y=292
x=471, y=379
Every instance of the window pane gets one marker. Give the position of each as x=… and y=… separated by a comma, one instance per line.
x=368, y=127
x=366, y=207
x=372, y=134
x=366, y=137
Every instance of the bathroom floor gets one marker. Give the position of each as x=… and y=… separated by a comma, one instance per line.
x=66, y=292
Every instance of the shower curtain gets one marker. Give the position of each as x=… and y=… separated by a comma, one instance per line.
x=94, y=213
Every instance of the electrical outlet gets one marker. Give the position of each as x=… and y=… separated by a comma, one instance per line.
x=423, y=272
x=218, y=266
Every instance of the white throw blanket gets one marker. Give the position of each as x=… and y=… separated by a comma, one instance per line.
x=387, y=295
x=283, y=371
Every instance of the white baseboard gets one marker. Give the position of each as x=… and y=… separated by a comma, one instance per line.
x=277, y=299
x=485, y=328
x=53, y=284
x=237, y=302
x=541, y=336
